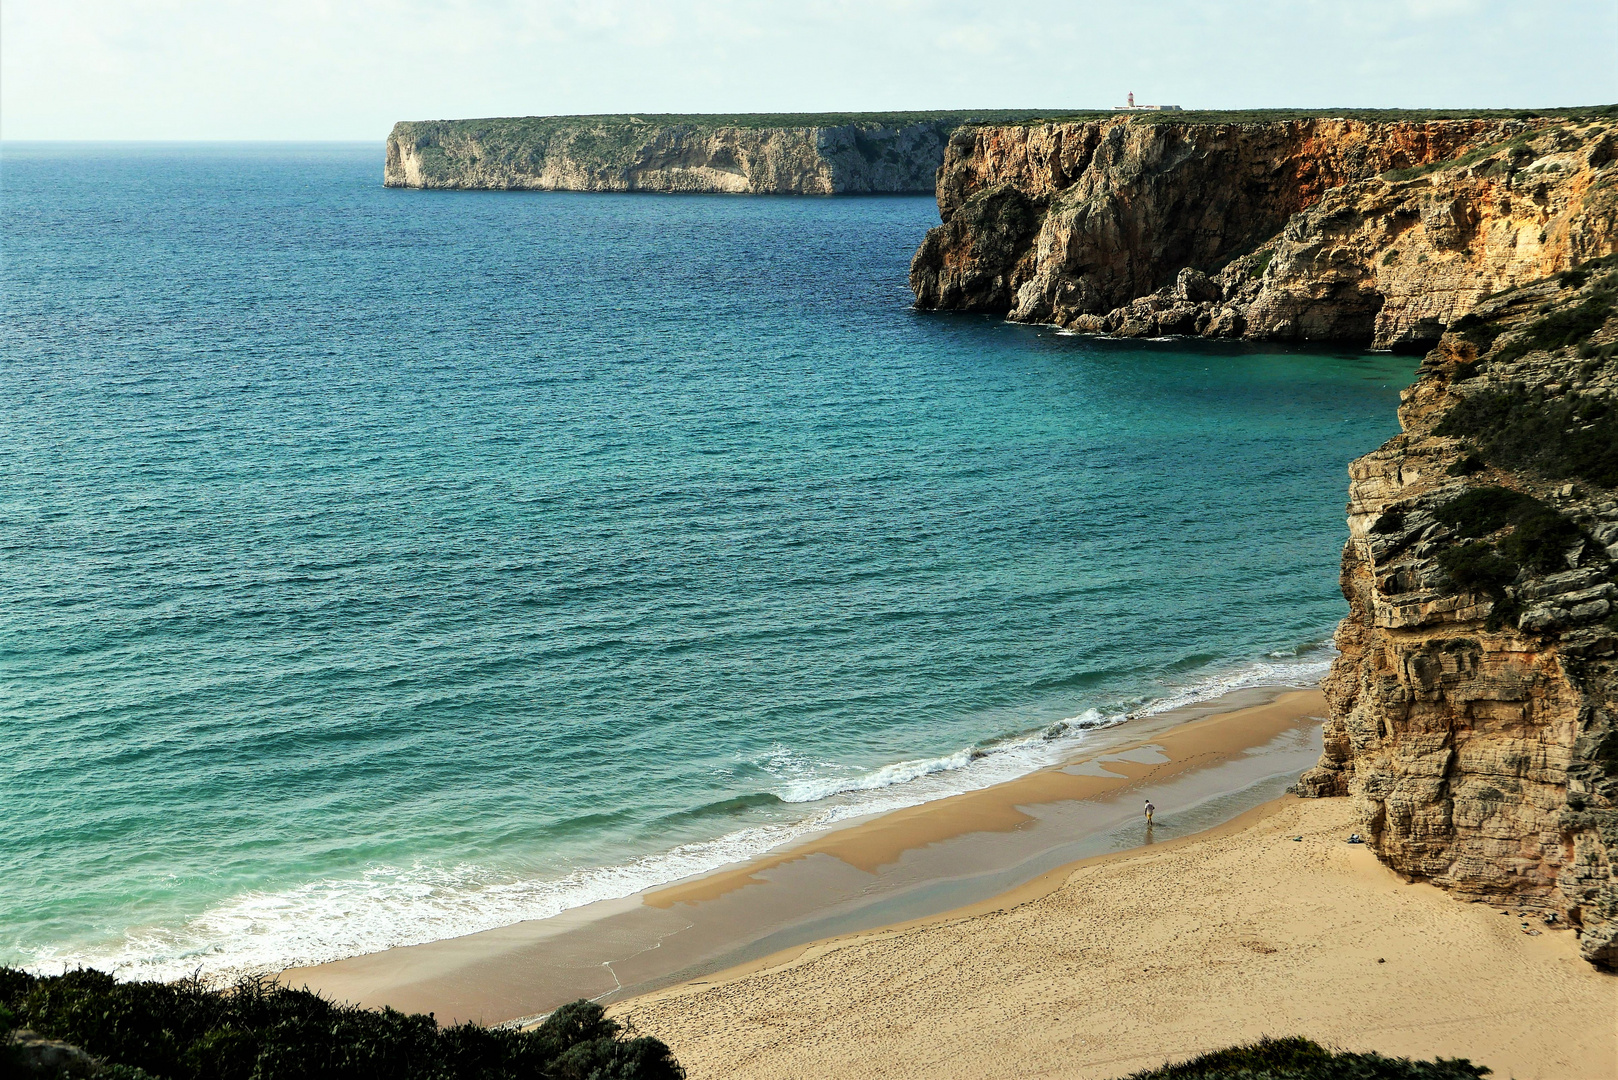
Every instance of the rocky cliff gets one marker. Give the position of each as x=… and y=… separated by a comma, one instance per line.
x=746, y=154
x=1301, y=229
x=1474, y=706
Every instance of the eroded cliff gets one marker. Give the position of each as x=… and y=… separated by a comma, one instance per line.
x=1474, y=706
x=1305, y=229
x=745, y=154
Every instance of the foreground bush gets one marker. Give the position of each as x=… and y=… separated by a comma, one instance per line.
x=1300, y=1059
x=258, y=1030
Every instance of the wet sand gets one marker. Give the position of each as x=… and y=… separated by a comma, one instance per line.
x=1125, y=961
x=1201, y=765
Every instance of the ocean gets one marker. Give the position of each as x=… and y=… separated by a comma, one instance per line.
x=378, y=566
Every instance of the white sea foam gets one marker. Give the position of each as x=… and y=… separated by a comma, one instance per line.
x=1305, y=667
x=387, y=906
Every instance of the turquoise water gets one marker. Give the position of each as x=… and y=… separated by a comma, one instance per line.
x=377, y=566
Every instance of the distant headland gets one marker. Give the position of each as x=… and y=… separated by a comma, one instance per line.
x=766, y=153
x=743, y=154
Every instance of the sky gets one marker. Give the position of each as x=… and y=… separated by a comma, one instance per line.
x=307, y=69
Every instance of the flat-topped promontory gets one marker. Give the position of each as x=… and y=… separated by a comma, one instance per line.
x=744, y=154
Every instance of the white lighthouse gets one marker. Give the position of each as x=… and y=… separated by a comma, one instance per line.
x=1132, y=107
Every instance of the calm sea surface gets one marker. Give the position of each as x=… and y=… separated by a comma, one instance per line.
x=377, y=566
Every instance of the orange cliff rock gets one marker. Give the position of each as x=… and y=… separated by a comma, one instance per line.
x=1318, y=229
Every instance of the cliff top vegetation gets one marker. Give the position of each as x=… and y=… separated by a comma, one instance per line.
x=546, y=125
x=538, y=125
x=1389, y=116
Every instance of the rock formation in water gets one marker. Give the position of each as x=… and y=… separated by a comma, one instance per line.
x=1307, y=229
x=759, y=154
x=1474, y=706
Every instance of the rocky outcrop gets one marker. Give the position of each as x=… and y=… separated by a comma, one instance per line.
x=1474, y=706
x=1318, y=229
x=28, y=1053
x=855, y=153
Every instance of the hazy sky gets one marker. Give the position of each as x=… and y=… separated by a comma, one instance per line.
x=305, y=69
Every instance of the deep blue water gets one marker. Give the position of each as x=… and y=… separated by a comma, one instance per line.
x=381, y=565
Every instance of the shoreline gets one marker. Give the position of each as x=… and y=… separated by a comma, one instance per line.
x=1035, y=889
x=1202, y=763
x=1267, y=924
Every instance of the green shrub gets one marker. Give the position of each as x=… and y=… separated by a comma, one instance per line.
x=1541, y=540
x=258, y=1030
x=1479, y=333
x=1478, y=567
x=1562, y=328
x=1484, y=510
x=1414, y=171
x=1571, y=435
x=1390, y=521
x=1302, y=1059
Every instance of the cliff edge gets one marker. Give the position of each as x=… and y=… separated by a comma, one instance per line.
x=1474, y=706
x=1382, y=232
x=788, y=154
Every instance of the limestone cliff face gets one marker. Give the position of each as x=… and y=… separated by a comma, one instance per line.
x=630, y=154
x=1474, y=706
x=1293, y=230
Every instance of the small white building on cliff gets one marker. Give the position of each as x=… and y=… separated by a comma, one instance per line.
x=1132, y=107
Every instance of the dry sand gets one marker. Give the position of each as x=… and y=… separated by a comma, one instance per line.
x=1121, y=962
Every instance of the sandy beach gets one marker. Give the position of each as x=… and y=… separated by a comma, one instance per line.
x=1124, y=961
x=1036, y=928
x=1203, y=764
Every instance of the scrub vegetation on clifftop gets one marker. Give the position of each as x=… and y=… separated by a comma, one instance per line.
x=258, y=1030
x=1406, y=116
x=1271, y=116
x=715, y=121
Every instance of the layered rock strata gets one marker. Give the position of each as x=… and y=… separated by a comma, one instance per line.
x=855, y=153
x=1315, y=229
x=1474, y=706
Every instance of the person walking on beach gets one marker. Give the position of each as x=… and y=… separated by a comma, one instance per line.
x=1148, y=811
